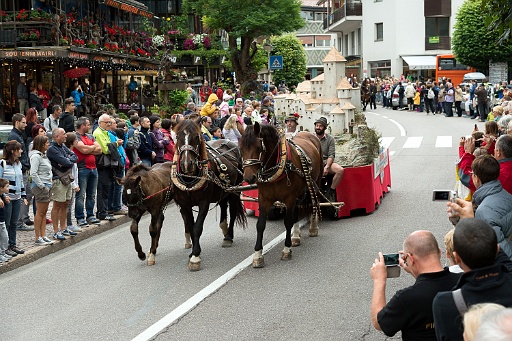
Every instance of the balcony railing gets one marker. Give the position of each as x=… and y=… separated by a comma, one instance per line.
x=11, y=33
x=348, y=9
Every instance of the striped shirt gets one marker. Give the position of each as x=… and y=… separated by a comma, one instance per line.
x=14, y=174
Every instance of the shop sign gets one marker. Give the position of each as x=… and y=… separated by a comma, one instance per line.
x=100, y=59
x=128, y=8
x=76, y=55
x=118, y=61
x=433, y=40
x=28, y=54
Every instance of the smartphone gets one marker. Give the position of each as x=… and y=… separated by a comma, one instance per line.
x=443, y=195
x=391, y=259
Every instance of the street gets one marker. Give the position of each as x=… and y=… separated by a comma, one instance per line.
x=99, y=290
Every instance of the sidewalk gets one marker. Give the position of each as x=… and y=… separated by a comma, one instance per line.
x=26, y=239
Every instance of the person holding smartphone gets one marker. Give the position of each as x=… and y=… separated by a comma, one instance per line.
x=421, y=257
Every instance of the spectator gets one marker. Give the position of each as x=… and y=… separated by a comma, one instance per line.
x=328, y=151
x=17, y=133
x=52, y=121
x=62, y=160
x=41, y=175
x=56, y=99
x=34, y=101
x=421, y=258
x=291, y=125
x=209, y=107
x=449, y=98
x=4, y=236
x=216, y=133
x=485, y=278
x=133, y=143
x=458, y=100
x=448, y=243
x=230, y=130
x=11, y=169
x=105, y=174
x=483, y=106
x=115, y=192
x=206, y=123
x=77, y=94
x=37, y=130
x=22, y=94
x=409, y=94
x=473, y=318
x=67, y=121
x=495, y=326
x=145, y=151
x=158, y=138
x=31, y=119
x=191, y=108
x=86, y=150
x=71, y=141
x=205, y=92
x=45, y=97
x=169, y=148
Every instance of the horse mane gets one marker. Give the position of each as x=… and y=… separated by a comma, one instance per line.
x=190, y=125
x=137, y=168
x=268, y=133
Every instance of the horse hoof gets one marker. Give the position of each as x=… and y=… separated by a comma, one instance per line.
x=258, y=263
x=194, y=266
x=286, y=256
x=227, y=243
x=151, y=259
x=313, y=233
x=224, y=227
x=295, y=242
x=142, y=256
x=188, y=245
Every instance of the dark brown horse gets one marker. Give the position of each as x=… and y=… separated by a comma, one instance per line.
x=202, y=175
x=147, y=189
x=365, y=95
x=285, y=171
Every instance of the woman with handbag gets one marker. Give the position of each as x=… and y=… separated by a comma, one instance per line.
x=41, y=174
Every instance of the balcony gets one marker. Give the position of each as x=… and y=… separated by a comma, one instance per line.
x=438, y=43
x=18, y=33
x=347, y=18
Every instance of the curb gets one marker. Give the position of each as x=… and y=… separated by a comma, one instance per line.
x=36, y=253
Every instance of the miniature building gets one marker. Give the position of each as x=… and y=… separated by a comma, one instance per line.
x=329, y=95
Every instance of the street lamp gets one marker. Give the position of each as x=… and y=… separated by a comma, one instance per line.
x=269, y=48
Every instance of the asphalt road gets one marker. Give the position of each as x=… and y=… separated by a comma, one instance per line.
x=99, y=290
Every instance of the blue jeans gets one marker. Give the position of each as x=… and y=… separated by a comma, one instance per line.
x=88, y=182
x=115, y=193
x=12, y=213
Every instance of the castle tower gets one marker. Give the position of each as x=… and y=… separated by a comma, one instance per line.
x=334, y=71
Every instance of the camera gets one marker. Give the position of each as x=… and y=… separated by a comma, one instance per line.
x=444, y=195
x=478, y=143
x=391, y=260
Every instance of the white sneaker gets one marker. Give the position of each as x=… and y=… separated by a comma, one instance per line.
x=74, y=228
x=48, y=241
x=40, y=242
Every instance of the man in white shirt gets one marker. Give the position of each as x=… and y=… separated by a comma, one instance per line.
x=52, y=121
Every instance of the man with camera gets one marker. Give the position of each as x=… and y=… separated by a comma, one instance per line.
x=410, y=309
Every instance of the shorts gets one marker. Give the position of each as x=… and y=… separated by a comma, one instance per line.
x=410, y=100
x=41, y=195
x=59, y=192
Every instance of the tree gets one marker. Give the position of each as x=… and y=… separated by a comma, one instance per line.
x=500, y=17
x=294, y=59
x=244, y=21
x=472, y=44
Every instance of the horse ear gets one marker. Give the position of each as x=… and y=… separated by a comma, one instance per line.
x=137, y=180
x=257, y=128
x=120, y=181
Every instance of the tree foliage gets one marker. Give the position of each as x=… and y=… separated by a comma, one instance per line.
x=500, y=17
x=244, y=21
x=294, y=59
x=472, y=44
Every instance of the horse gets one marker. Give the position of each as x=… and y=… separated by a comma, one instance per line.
x=203, y=173
x=147, y=189
x=365, y=96
x=288, y=171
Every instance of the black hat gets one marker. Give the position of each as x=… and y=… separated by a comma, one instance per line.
x=293, y=117
x=322, y=121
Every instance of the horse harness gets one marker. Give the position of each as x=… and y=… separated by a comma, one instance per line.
x=143, y=196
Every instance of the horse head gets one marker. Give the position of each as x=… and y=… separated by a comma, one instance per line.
x=190, y=147
x=257, y=146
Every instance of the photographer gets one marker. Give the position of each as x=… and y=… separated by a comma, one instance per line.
x=410, y=309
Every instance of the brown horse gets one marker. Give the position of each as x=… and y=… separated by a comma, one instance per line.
x=285, y=171
x=202, y=175
x=147, y=189
x=365, y=96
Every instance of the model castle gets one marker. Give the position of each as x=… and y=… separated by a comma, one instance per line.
x=329, y=95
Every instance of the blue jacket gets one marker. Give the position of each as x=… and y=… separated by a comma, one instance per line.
x=146, y=144
x=61, y=157
x=77, y=96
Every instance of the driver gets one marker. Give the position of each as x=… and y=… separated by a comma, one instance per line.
x=291, y=125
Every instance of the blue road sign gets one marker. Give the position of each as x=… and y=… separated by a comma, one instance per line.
x=276, y=62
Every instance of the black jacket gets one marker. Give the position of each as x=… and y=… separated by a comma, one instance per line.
x=67, y=122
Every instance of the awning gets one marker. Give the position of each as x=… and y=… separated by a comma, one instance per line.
x=131, y=6
x=420, y=62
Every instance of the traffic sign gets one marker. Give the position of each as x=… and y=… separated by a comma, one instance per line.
x=276, y=62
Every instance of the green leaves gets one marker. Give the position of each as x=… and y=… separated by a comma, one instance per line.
x=294, y=59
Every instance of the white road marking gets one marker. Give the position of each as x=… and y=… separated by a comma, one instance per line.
x=400, y=127
x=192, y=302
x=391, y=153
x=444, y=142
x=386, y=141
x=413, y=142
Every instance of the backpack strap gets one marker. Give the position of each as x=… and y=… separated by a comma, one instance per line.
x=459, y=301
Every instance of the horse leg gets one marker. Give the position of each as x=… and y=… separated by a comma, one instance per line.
x=296, y=235
x=194, y=263
x=188, y=221
x=289, y=220
x=155, y=233
x=257, y=260
x=228, y=240
x=313, y=225
x=134, y=229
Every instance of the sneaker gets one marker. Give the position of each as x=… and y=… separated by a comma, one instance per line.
x=24, y=227
x=67, y=232
x=121, y=212
x=17, y=250
x=40, y=242
x=6, y=256
x=109, y=217
x=49, y=221
x=10, y=253
x=47, y=240
x=82, y=222
x=93, y=220
x=59, y=236
x=3, y=259
x=73, y=228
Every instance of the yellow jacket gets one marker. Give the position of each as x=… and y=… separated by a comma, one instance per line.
x=209, y=107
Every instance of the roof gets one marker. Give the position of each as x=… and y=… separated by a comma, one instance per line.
x=348, y=105
x=319, y=78
x=337, y=110
x=333, y=56
x=304, y=87
x=344, y=84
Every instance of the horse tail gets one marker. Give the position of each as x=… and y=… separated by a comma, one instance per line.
x=240, y=216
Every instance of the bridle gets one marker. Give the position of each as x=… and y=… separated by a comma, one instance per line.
x=143, y=197
x=270, y=174
x=258, y=161
x=186, y=182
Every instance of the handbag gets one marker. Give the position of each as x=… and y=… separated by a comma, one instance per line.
x=65, y=177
